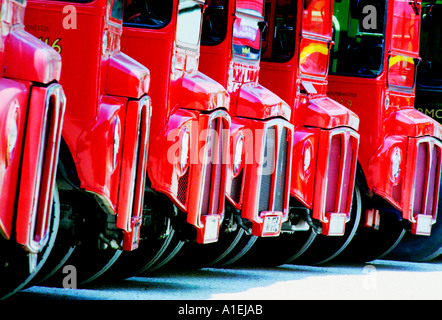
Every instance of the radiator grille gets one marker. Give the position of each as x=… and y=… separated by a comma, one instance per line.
x=334, y=161
x=267, y=170
x=274, y=170
x=47, y=167
x=347, y=183
x=182, y=187
x=235, y=191
x=433, y=182
x=213, y=168
x=426, y=179
x=420, y=177
x=281, y=168
x=340, y=174
x=217, y=169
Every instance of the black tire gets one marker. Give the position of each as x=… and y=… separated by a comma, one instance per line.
x=89, y=263
x=150, y=255
x=420, y=248
x=79, y=247
x=171, y=251
x=326, y=248
x=64, y=246
x=245, y=244
x=15, y=263
x=369, y=244
x=275, y=251
x=194, y=255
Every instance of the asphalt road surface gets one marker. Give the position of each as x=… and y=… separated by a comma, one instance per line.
x=379, y=279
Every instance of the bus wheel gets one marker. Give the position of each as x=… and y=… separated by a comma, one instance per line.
x=420, y=248
x=275, y=251
x=326, y=248
x=17, y=266
x=369, y=244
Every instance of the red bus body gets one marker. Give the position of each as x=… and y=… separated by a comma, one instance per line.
x=190, y=123
x=31, y=116
x=295, y=67
x=400, y=154
x=107, y=113
x=258, y=183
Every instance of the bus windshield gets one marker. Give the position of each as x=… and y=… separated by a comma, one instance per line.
x=359, y=33
x=189, y=24
x=214, y=22
x=116, y=12
x=429, y=72
x=279, y=38
x=246, y=37
x=152, y=14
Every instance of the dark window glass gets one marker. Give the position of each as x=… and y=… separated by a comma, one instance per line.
x=214, y=22
x=148, y=13
x=117, y=10
x=279, y=38
x=359, y=33
x=429, y=71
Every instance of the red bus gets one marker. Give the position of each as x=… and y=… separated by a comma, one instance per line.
x=373, y=72
x=32, y=105
x=428, y=101
x=104, y=147
x=324, y=203
x=189, y=138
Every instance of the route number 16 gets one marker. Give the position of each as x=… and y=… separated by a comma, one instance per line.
x=54, y=44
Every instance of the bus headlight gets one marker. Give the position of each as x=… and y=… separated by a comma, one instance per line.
x=237, y=155
x=184, y=151
x=307, y=159
x=12, y=131
x=116, y=144
x=396, y=159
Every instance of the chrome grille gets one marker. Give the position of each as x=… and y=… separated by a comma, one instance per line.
x=182, y=187
x=274, y=170
x=213, y=168
x=426, y=178
x=334, y=161
x=281, y=168
x=268, y=170
x=341, y=171
x=235, y=191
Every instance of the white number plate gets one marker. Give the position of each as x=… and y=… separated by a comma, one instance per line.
x=211, y=230
x=424, y=223
x=271, y=224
